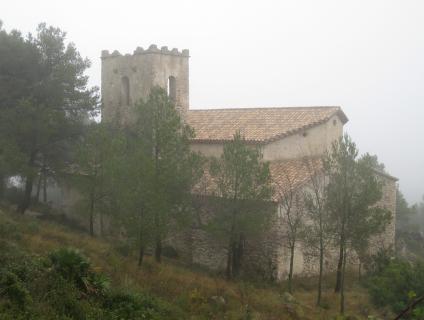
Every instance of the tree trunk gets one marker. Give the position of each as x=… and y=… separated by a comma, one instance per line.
x=140, y=255
x=40, y=175
x=26, y=201
x=321, y=267
x=339, y=269
x=158, y=250
x=92, y=215
x=2, y=186
x=230, y=256
x=238, y=255
x=342, y=285
x=291, y=268
x=44, y=186
x=141, y=251
x=101, y=223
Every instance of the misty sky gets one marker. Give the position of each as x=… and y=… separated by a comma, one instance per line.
x=366, y=56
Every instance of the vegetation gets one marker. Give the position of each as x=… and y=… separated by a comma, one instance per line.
x=43, y=101
x=118, y=289
x=140, y=173
x=64, y=285
x=244, y=188
x=318, y=232
x=167, y=168
x=292, y=206
x=397, y=283
x=93, y=156
x=352, y=192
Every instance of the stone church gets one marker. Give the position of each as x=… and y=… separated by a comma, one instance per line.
x=284, y=134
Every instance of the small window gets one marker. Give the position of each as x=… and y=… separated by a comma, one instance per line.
x=334, y=122
x=172, y=88
x=125, y=91
x=304, y=134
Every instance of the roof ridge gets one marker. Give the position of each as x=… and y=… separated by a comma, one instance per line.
x=260, y=125
x=264, y=108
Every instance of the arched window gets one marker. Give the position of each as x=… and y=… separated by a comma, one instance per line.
x=125, y=91
x=172, y=88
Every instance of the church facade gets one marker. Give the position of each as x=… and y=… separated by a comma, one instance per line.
x=286, y=136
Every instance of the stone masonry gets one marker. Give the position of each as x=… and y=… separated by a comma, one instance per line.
x=285, y=136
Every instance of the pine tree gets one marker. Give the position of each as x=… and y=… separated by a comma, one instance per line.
x=242, y=205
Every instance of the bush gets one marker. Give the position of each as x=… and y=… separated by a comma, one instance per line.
x=8, y=229
x=74, y=267
x=397, y=285
x=14, y=195
x=12, y=288
x=170, y=252
x=64, y=286
x=71, y=265
x=138, y=306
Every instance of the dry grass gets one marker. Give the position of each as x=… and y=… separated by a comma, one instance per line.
x=191, y=290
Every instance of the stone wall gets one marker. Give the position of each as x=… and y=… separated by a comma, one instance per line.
x=311, y=142
x=386, y=240
x=306, y=263
x=142, y=70
x=268, y=255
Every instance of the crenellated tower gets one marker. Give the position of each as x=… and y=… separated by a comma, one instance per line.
x=128, y=78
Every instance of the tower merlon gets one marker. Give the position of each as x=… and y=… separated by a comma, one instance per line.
x=153, y=49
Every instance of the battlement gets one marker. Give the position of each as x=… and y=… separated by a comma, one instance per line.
x=153, y=49
x=129, y=78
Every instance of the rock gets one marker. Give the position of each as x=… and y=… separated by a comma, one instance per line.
x=218, y=300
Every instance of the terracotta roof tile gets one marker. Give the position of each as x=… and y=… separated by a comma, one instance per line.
x=285, y=174
x=257, y=125
x=292, y=174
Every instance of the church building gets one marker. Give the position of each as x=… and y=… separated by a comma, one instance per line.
x=286, y=135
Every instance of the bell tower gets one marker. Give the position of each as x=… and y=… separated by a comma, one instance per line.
x=128, y=78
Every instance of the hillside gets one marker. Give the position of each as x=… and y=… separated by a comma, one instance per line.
x=184, y=293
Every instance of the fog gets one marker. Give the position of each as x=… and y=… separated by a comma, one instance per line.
x=365, y=56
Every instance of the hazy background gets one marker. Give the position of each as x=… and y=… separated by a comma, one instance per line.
x=366, y=56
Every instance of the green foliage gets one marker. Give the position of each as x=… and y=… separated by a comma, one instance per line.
x=70, y=264
x=14, y=289
x=44, y=100
x=242, y=206
x=404, y=212
x=397, y=285
x=95, y=156
x=137, y=306
x=376, y=263
x=353, y=191
x=64, y=286
x=154, y=172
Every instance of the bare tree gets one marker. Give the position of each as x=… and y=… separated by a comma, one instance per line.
x=318, y=229
x=292, y=215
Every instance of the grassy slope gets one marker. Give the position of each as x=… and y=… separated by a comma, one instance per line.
x=190, y=290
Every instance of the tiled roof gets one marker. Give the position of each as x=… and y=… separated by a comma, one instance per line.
x=285, y=175
x=292, y=174
x=257, y=125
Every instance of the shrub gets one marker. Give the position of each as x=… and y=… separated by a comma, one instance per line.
x=170, y=252
x=8, y=229
x=397, y=285
x=74, y=267
x=124, y=248
x=137, y=306
x=12, y=288
x=71, y=265
x=13, y=195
